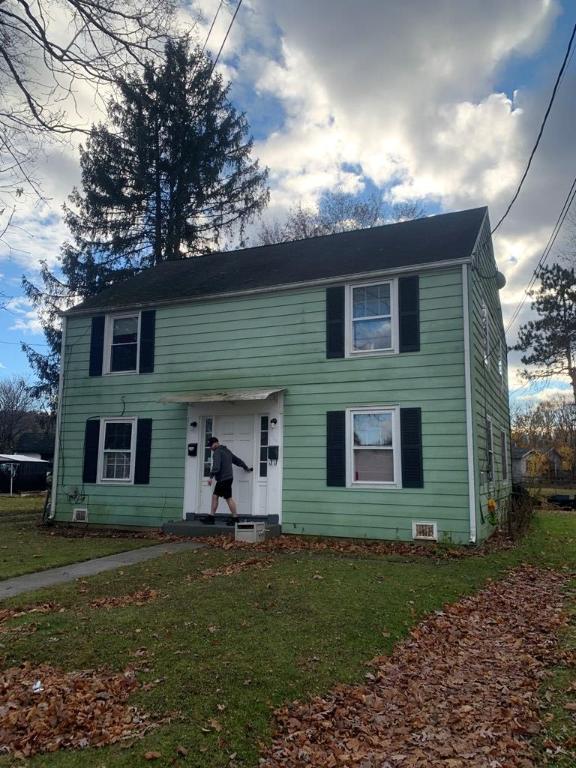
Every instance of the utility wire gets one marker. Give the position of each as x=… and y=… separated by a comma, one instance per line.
x=541, y=131
x=225, y=37
x=212, y=26
x=550, y=244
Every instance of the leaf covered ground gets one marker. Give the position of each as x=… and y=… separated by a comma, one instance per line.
x=462, y=690
x=222, y=639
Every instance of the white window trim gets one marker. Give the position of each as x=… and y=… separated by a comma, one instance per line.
x=505, y=457
x=109, y=324
x=101, y=480
x=396, y=448
x=349, y=351
x=486, y=351
x=490, y=453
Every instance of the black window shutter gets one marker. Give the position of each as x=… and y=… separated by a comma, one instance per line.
x=147, y=336
x=143, y=446
x=97, y=346
x=411, y=439
x=336, y=448
x=91, y=439
x=409, y=313
x=335, y=321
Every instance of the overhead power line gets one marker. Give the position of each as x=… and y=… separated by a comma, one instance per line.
x=541, y=131
x=212, y=25
x=547, y=250
x=226, y=36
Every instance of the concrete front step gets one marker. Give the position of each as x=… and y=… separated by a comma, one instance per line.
x=219, y=528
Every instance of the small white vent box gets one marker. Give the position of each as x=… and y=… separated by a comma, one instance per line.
x=80, y=515
x=424, y=531
x=250, y=532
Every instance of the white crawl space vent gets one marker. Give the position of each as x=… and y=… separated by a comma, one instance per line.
x=424, y=530
x=80, y=515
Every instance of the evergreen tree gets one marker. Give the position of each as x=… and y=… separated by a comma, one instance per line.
x=167, y=176
x=550, y=341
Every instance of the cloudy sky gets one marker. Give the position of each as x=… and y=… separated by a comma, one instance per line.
x=435, y=102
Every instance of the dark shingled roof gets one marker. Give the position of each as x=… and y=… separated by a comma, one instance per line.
x=422, y=241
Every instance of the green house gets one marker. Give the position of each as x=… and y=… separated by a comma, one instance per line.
x=362, y=375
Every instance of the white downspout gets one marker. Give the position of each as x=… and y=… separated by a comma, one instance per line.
x=469, y=414
x=58, y=423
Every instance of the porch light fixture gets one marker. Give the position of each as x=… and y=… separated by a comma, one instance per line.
x=273, y=422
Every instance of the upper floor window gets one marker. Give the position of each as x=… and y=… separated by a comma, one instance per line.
x=486, y=334
x=372, y=318
x=122, y=343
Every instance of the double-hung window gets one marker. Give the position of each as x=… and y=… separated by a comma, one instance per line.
x=486, y=334
x=117, y=450
x=372, y=318
x=504, y=454
x=373, y=446
x=489, y=450
x=122, y=343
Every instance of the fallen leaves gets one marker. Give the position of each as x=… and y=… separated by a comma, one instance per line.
x=141, y=597
x=256, y=563
x=13, y=613
x=43, y=709
x=286, y=543
x=462, y=690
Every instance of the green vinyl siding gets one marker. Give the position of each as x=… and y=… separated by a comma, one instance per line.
x=489, y=388
x=279, y=340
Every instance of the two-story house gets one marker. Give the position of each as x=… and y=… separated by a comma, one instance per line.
x=362, y=375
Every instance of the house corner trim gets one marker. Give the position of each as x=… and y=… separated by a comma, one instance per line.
x=469, y=413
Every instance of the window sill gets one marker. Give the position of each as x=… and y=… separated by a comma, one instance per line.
x=115, y=482
x=375, y=486
x=373, y=353
x=119, y=373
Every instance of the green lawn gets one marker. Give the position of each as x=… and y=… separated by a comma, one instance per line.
x=25, y=547
x=231, y=648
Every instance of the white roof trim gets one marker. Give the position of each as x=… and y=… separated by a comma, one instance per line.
x=224, y=396
x=17, y=458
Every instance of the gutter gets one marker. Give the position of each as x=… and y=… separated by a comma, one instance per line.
x=319, y=282
x=469, y=413
x=58, y=423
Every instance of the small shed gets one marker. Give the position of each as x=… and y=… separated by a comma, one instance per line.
x=19, y=472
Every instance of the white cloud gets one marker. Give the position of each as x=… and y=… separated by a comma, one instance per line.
x=27, y=319
x=546, y=391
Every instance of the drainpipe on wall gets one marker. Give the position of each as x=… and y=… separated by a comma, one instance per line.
x=469, y=413
x=58, y=423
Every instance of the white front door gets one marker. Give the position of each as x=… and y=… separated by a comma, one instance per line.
x=236, y=432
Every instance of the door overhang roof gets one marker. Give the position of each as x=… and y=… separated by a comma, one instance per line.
x=220, y=396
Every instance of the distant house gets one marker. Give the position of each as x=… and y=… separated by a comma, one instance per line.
x=362, y=374
x=533, y=464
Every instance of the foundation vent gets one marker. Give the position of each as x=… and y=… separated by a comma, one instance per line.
x=424, y=531
x=80, y=515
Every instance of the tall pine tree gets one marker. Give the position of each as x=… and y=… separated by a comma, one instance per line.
x=168, y=175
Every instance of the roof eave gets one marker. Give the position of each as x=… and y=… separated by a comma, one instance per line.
x=324, y=281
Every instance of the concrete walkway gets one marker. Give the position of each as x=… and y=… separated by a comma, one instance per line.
x=31, y=581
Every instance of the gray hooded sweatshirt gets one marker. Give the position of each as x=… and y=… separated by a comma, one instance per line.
x=222, y=460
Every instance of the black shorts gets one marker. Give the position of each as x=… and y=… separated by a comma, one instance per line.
x=223, y=489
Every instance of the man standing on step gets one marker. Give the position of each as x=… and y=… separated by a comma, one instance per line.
x=222, y=461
